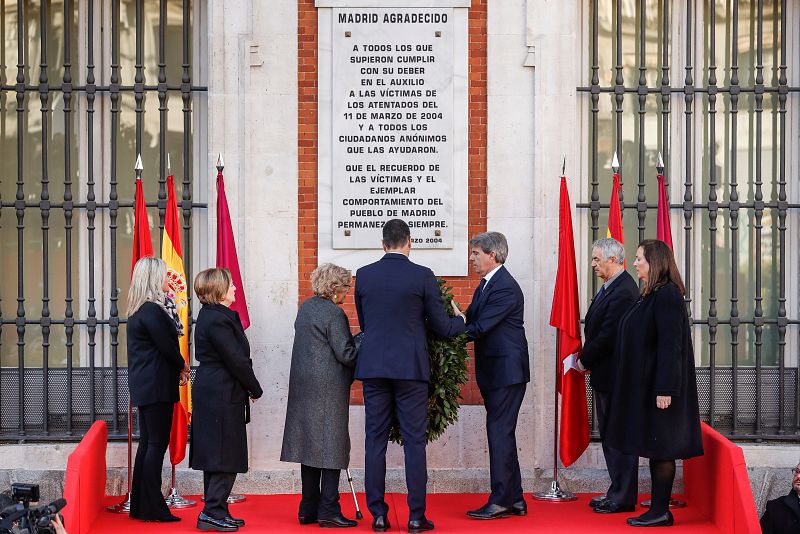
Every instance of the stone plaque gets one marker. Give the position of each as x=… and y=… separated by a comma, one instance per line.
x=392, y=125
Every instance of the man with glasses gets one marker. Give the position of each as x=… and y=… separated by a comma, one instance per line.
x=782, y=515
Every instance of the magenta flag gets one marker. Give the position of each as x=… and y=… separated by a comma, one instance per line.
x=226, y=251
x=663, y=230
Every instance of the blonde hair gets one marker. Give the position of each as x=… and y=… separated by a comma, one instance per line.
x=212, y=285
x=327, y=278
x=146, y=283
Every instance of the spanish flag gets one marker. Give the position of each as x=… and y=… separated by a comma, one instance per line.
x=172, y=254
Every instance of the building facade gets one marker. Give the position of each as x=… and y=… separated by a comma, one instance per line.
x=85, y=86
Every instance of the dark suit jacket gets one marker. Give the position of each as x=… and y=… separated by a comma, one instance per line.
x=220, y=391
x=394, y=298
x=782, y=515
x=154, y=358
x=495, y=322
x=600, y=330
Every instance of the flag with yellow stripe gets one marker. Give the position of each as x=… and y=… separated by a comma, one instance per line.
x=172, y=254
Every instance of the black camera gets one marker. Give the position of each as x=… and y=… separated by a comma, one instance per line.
x=17, y=516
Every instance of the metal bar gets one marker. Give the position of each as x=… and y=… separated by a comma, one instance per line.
x=44, y=206
x=595, y=195
x=665, y=92
x=138, y=80
x=758, y=311
x=734, y=216
x=641, y=206
x=162, y=120
x=782, y=82
x=2, y=136
x=688, y=210
x=67, y=80
x=186, y=96
x=712, y=201
x=20, y=211
x=91, y=209
x=112, y=201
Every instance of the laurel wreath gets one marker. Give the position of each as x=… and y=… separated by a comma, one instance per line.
x=448, y=358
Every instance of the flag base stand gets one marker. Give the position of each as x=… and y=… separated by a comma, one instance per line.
x=555, y=494
x=122, y=508
x=673, y=503
x=175, y=501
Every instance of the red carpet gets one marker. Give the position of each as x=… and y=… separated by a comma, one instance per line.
x=278, y=513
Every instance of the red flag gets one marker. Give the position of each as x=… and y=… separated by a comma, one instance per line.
x=565, y=316
x=172, y=255
x=614, y=214
x=663, y=230
x=142, y=244
x=226, y=251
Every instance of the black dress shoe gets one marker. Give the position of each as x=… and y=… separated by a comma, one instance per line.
x=306, y=519
x=380, y=524
x=665, y=520
x=490, y=511
x=611, y=507
x=520, y=507
x=597, y=500
x=206, y=522
x=166, y=519
x=419, y=525
x=235, y=521
x=337, y=521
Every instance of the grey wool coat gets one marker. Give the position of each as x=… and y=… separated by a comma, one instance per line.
x=317, y=414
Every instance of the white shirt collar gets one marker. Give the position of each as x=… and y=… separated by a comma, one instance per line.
x=488, y=276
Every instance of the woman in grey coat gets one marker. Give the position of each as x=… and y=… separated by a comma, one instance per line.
x=317, y=414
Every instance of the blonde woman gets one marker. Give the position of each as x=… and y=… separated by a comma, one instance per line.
x=155, y=369
x=224, y=382
x=315, y=434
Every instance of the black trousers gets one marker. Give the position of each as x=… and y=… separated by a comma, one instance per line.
x=217, y=488
x=320, y=492
x=623, y=469
x=147, y=502
x=408, y=400
x=502, y=409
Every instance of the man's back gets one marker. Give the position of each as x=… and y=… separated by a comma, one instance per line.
x=394, y=297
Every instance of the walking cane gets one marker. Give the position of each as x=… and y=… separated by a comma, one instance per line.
x=359, y=515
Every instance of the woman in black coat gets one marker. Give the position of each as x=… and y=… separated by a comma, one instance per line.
x=224, y=384
x=155, y=369
x=317, y=413
x=654, y=411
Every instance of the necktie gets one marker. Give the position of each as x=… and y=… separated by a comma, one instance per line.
x=600, y=293
x=479, y=290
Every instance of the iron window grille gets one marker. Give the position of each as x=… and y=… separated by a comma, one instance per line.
x=100, y=72
x=708, y=83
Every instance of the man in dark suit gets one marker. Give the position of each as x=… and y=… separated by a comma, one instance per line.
x=394, y=298
x=618, y=293
x=502, y=369
x=782, y=515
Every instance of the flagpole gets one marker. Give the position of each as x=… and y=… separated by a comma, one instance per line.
x=555, y=493
x=125, y=506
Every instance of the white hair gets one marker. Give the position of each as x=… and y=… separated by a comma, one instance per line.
x=146, y=283
x=609, y=247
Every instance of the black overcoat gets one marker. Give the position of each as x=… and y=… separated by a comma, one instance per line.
x=154, y=357
x=222, y=386
x=318, y=410
x=782, y=515
x=655, y=357
x=600, y=330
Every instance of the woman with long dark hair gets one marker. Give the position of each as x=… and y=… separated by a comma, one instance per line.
x=155, y=368
x=654, y=410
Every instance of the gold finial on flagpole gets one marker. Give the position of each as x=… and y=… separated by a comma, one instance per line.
x=220, y=163
x=660, y=164
x=615, y=163
x=564, y=166
x=169, y=165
